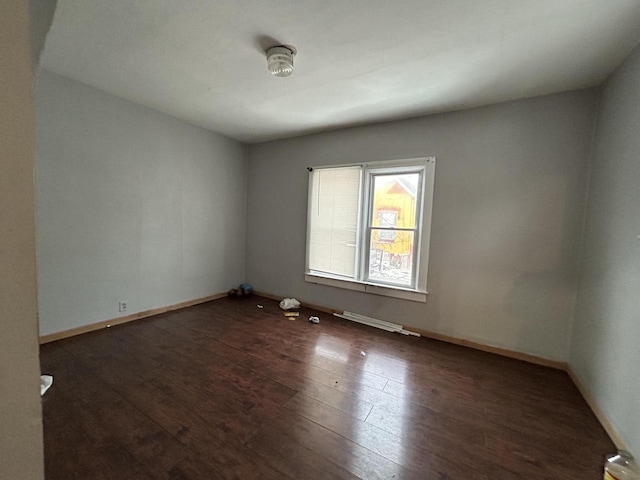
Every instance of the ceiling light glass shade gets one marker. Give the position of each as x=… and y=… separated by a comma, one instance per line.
x=280, y=61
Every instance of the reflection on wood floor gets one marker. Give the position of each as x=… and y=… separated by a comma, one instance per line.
x=226, y=390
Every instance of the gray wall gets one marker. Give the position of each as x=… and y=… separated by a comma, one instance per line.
x=21, y=453
x=41, y=14
x=507, y=217
x=605, y=351
x=132, y=205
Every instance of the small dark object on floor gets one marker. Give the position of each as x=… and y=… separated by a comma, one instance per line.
x=244, y=290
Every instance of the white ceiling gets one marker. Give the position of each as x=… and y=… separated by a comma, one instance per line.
x=359, y=61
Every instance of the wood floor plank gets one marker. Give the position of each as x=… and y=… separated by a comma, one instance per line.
x=405, y=452
x=190, y=385
x=226, y=390
x=209, y=438
x=95, y=453
x=210, y=431
x=360, y=461
x=275, y=447
x=107, y=411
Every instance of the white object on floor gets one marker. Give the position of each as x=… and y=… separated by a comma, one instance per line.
x=374, y=322
x=45, y=382
x=289, y=304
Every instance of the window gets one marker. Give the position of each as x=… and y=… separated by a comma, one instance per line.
x=368, y=226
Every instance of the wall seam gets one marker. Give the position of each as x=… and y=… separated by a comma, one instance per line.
x=585, y=216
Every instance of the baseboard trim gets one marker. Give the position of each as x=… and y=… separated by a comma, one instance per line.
x=52, y=337
x=505, y=352
x=600, y=415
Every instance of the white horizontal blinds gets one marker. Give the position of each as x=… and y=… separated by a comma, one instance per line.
x=333, y=217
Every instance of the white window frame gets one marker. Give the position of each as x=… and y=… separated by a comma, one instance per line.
x=417, y=291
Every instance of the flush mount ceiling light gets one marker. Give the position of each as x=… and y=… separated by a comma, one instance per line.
x=280, y=60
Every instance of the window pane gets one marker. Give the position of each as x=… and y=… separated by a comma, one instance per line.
x=333, y=217
x=391, y=261
x=387, y=219
x=394, y=200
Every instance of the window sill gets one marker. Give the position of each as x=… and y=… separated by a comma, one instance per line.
x=387, y=291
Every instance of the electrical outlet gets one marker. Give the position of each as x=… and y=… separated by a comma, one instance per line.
x=122, y=306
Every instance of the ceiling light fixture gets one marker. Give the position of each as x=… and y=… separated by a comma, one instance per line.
x=280, y=60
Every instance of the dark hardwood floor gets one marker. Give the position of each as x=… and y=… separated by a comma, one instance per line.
x=226, y=390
